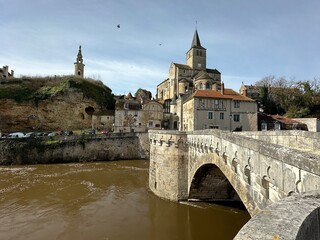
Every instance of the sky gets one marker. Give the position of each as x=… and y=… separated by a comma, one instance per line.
x=246, y=40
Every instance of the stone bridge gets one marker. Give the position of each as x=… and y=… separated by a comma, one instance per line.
x=273, y=173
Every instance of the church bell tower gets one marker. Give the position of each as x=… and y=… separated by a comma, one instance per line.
x=196, y=56
x=78, y=65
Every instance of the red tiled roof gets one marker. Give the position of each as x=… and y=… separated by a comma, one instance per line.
x=285, y=119
x=228, y=94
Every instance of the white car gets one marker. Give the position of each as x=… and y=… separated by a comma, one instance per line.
x=16, y=135
x=52, y=134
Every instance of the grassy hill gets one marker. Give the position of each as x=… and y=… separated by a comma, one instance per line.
x=40, y=88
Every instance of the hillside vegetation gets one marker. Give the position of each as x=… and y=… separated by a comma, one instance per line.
x=40, y=88
x=296, y=99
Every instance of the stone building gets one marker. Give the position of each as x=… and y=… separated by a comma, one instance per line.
x=5, y=74
x=134, y=114
x=192, y=84
x=78, y=65
x=222, y=109
x=103, y=121
x=153, y=114
x=250, y=91
x=192, y=75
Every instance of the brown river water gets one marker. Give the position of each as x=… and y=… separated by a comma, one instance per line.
x=103, y=201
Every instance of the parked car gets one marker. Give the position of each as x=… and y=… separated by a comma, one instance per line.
x=52, y=134
x=16, y=135
x=68, y=133
x=104, y=132
x=30, y=134
x=92, y=131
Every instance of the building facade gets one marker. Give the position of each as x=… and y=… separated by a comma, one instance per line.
x=136, y=115
x=194, y=97
x=152, y=111
x=222, y=109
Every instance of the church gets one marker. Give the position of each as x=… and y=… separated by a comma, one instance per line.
x=193, y=90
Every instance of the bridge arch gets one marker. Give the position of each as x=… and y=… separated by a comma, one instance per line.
x=210, y=184
x=206, y=164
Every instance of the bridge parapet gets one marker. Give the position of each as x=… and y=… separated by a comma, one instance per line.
x=295, y=217
x=301, y=140
x=261, y=172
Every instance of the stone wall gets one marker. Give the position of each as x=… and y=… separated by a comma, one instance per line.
x=34, y=151
x=295, y=217
x=304, y=140
x=168, y=164
x=312, y=123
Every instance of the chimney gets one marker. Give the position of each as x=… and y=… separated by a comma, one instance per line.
x=222, y=88
x=12, y=73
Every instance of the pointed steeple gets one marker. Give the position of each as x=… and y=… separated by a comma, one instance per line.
x=196, y=56
x=79, y=56
x=78, y=65
x=196, y=40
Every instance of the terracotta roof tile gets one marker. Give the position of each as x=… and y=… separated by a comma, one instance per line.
x=228, y=94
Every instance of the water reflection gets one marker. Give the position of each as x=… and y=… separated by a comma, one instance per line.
x=108, y=200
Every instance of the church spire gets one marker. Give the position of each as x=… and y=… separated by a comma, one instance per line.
x=79, y=56
x=196, y=56
x=78, y=65
x=196, y=40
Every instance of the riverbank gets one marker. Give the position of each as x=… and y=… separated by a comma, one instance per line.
x=82, y=148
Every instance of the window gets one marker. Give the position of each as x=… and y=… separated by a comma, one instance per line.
x=264, y=126
x=213, y=127
x=221, y=115
x=277, y=126
x=236, y=118
x=150, y=124
x=207, y=85
x=199, y=65
x=210, y=115
x=236, y=104
x=167, y=106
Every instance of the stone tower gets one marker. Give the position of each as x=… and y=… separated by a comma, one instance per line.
x=78, y=65
x=196, y=56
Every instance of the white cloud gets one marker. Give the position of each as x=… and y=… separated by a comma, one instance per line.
x=123, y=77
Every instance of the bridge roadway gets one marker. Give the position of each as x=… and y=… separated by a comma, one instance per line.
x=275, y=174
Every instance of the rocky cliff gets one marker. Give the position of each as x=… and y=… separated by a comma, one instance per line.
x=64, y=103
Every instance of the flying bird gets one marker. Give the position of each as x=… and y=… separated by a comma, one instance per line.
x=118, y=26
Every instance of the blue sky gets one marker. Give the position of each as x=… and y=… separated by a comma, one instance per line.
x=246, y=40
